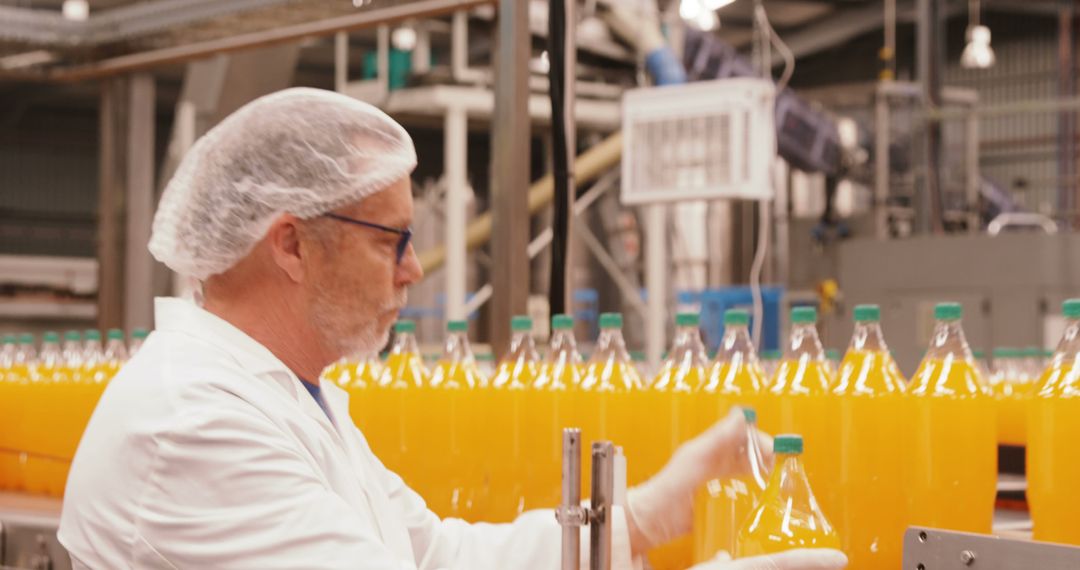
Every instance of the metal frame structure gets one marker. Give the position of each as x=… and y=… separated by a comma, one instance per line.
x=934, y=549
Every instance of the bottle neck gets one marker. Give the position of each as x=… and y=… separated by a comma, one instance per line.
x=522, y=347
x=758, y=470
x=804, y=342
x=405, y=343
x=1068, y=348
x=116, y=350
x=25, y=355
x=457, y=348
x=687, y=348
x=736, y=346
x=949, y=341
x=868, y=337
x=610, y=345
x=51, y=356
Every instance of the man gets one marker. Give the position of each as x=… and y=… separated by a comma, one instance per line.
x=216, y=446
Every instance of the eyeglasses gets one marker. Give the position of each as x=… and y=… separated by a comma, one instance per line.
x=404, y=235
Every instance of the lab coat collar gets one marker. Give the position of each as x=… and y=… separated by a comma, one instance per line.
x=184, y=316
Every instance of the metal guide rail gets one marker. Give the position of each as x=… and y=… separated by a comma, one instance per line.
x=934, y=549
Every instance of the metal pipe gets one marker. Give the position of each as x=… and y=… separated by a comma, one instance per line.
x=1066, y=199
x=570, y=514
x=881, y=163
x=656, y=269
x=390, y=14
x=341, y=61
x=454, y=148
x=603, y=490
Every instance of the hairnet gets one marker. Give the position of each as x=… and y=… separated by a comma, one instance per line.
x=298, y=151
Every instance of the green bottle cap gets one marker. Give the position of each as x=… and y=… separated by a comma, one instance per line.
x=457, y=326
x=687, y=320
x=26, y=338
x=948, y=311
x=771, y=354
x=485, y=357
x=788, y=443
x=115, y=334
x=1048, y=353
x=140, y=333
x=1031, y=352
x=802, y=315
x=10, y=339
x=73, y=336
x=736, y=317
x=637, y=356
x=50, y=336
x=562, y=322
x=749, y=414
x=611, y=320
x=867, y=313
x=832, y=354
x=92, y=334
x=405, y=326
x=978, y=354
x=1004, y=352
x=1071, y=309
x=521, y=323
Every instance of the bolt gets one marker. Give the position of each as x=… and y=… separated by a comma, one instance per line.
x=967, y=557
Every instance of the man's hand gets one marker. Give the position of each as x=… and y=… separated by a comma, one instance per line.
x=798, y=559
x=661, y=509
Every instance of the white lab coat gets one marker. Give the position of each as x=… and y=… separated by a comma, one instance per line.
x=207, y=452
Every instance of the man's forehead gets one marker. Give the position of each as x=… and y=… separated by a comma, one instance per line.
x=392, y=205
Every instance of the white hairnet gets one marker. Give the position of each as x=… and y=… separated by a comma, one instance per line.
x=298, y=151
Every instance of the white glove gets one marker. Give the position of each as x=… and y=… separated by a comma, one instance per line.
x=662, y=508
x=798, y=559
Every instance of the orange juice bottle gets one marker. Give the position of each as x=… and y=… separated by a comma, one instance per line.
x=550, y=410
x=68, y=395
x=952, y=434
x=1012, y=386
x=770, y=361
x=867, y=413
x=604, y=404
x=47, y=467
x=736, y=378
x=788, y=515
x=8, y=404
x=669, y=403
x=115, y=353
x=725, y=504
x=391, y=407
x=797, y=400
x=508, y=454
x=455, y=427
x=1053, y=466
x=26, y=418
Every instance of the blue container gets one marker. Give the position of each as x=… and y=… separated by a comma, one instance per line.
x=715, y=301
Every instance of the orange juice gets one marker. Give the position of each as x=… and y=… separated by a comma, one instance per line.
x=951, y=435
x=788, y=515
x=669, y=403
x=1053, y=466
x=549, y=411
x=8, y=457
x=392, y=407
x=797, y=401
x=736, y=378
x=867, y=413
x=505, y=463
x=725, y=504
x=453, y=430
x=604, y=401
x=1012, y=386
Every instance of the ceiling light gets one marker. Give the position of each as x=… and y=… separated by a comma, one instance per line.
x=76, y=10
x=977, y=53
x=403, y=38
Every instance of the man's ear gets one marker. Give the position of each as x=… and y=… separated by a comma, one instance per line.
x=283, y=238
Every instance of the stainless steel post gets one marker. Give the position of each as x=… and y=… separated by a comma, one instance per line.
x=570, y=514
x=603, y=490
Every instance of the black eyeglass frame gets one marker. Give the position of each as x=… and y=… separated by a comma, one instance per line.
x=405, y=235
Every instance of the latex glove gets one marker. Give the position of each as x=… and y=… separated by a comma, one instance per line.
x=661, y=509
x=634, y=23
x=798, y=559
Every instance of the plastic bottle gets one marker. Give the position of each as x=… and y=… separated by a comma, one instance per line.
x=509, y=446
x=770, y=361
x=724, y=505
x=46, y=470
x=1053, y=466
x=138, y=338
x=23, y=392
x=115, y=353
x=788, y=515
x=396, y=421
x=8, y=458
x=797, y=400
x=1031, y=363
x=952, y=434
x=455, y=427
x=551, y=409
x=867, y=414
x=70, y=394
x=669, y=403
x=604, y=401
x=1012, y=386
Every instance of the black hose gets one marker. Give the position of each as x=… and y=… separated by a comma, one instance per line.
x=563, y=178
